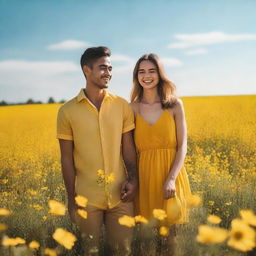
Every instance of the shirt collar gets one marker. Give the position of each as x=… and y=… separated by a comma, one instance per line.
x=81, y=95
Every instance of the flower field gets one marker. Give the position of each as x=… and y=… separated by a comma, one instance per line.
x=221, y=164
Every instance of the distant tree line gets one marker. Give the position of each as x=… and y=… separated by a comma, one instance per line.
x=31, y=101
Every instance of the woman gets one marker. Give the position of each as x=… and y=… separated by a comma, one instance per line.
x=161, y=141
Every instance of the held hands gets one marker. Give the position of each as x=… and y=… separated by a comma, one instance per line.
x=169, y=189
x=128, y=191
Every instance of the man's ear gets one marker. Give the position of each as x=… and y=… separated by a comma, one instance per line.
x=87, y=70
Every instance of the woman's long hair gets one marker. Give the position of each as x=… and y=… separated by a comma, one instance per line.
x=166, y=88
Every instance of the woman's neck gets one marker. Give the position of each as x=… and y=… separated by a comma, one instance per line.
x=150, y=97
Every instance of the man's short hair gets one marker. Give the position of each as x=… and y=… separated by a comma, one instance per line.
x=92, y=54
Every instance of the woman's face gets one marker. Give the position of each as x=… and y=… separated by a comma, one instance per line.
x=147, y=74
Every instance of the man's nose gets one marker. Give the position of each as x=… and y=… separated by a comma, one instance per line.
x=108, y=72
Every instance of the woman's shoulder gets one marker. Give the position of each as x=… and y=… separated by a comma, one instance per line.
x=135, y=106
x=178, y=103
x=177, y=107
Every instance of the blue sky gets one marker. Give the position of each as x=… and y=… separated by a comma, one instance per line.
x=208, y=47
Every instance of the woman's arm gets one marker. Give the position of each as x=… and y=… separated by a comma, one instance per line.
x=181, y=135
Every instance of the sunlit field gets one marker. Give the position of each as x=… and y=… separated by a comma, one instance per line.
x=221, y=164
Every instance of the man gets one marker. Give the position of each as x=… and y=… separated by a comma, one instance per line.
x=95, y=135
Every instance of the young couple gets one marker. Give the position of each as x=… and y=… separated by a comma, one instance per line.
x=98, y=141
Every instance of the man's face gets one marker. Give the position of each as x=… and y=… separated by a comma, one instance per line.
x=100, y=73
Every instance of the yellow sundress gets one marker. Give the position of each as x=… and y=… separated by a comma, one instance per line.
x=156, y=145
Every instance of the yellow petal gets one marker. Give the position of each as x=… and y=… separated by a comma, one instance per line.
x=248, y=216
x=64, y=238
x=82, y=213
x=127, y=221
x=50, y=252
x=214, y=219
x=164, y=231
x=140, y=219
x=159, y=214
x=193, y=200
x=211, y=235
x=4, y=212
x=81, y=200
x=34, y=245
x=56, y=207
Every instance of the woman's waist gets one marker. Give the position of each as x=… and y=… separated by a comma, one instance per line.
x=164, y=148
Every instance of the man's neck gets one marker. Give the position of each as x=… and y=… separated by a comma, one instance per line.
x=95, y=95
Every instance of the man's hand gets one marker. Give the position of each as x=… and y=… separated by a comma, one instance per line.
x=72, y=208
x=169, y=189
x=128, y=191
x=130, y=186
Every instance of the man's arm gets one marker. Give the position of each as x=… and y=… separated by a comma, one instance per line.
x=129, y=187
x=69, y=173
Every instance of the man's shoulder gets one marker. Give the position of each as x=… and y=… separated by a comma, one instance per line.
x=68, y=104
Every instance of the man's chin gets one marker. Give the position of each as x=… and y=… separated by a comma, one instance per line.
x=104, y=86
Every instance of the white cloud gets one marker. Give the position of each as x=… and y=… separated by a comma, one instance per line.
x=171, y=62
x=68, y=45
x=196, y=52
x=39, y=80
x=194, y=40
x=46, y=67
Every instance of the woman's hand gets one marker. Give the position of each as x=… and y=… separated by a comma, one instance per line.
x=169, y=189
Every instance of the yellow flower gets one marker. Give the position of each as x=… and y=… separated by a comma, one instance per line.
x=164, y=231
x=81, y=200
x=32, y=192
x=193, y=200
x=50, y=252
x=248, y=216
x=211, y=235
x=82, y=213
x=211, y=203
x=100, y=173
x=13, y=241
x=20, y=240
x=56, y=207
x=110, y=178
x=34, y=245
x=4, y=212
x=159, y=214
x=173, y=210
x=127, y=221
x=64, y=238
x=214, y=219
x=4, y=181
x=140, y=219
x=242, y=237
x=228, y=203
x=3, y=227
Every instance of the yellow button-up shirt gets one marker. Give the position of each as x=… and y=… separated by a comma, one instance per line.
x=97, y=135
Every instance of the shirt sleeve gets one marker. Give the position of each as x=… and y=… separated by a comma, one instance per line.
x=128, y=122
x=64, y=129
